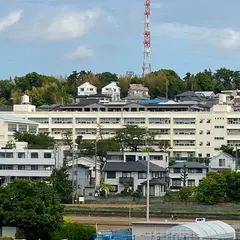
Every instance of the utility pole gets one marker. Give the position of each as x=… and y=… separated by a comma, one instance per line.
x=236, y=161
x=73, y=176
x=148, y=192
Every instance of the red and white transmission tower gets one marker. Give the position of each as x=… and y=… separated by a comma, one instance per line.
x=147, y=40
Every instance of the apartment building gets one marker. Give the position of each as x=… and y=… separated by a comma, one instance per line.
x=34, y=163
x=193, y=131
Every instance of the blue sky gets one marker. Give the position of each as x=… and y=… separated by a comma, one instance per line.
x=56, y=37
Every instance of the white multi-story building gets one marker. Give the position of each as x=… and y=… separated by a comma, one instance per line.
x=86, y=89
x=10, y=124
x=191, y=130
x=112, y=90
x=31, y=163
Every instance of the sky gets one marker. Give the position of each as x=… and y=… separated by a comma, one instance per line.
x=56, y=37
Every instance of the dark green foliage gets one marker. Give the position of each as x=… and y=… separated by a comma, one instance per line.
x=184, y=175
x=61, y=184
x=35, y=141
x=187, y=194
x=74, y=231
x=133, y=136
x=6, y=238
x=31, y=206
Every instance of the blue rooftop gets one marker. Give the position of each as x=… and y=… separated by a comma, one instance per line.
x=155, y=100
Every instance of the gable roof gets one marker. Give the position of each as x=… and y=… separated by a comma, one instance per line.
x=188, y=94
x=138, y=87
x=222, y=153
x=189, y=165
x=138, y=166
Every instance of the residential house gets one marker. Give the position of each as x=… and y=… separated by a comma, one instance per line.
x=160, y=159
x=112, y=90
x=222, y=161
x=133, y=175
x=86, y=89
x=138, y=90
x=208, y=94
x=195, y=173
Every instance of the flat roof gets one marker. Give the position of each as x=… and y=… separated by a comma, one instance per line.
x=159, y=223
x=13, y=118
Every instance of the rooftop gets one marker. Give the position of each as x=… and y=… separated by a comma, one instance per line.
x=12, y=118
x=138, y=166
x=188, y=165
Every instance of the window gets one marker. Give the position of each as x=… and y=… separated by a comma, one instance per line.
x=201, y=120
x=61, y=120
x=219, y=138
x=159, y=120
x=184, y=143
x=184, y=121
x=6, y=167
x=191, y=182
x=160, y=157
x=200, y=155
x=208, y=144
x=12, y=127
x=111, y=175
x=39, y=120
x=47, y=155
x=108, y=131
x=233, y=143
x=218, y=126
x=191, y=170
x=233, y=120
x=110, y=120
x=21, y=155
x=208, y=132
x=82, y=89
x=87, y=131
x=9, y=154
x=34, y=155
x=22, y=128
x=126, y=174
x=142, y=175
x=184, y=131
x=86, y=120
x=208, y=155
x=47, y=168
x=21, y=167
x=208, y=120
x=199, y=170
x=32, y=129
x=176, y=170
x=34, y=167
x=114, y=188
x=222, y=162
x=130, y=158
x=134, y=120
x=176, y=182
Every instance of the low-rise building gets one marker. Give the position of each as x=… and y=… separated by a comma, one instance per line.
x=195, y=172
x=222, y=161
x=125, y=176
x=138, y=90
x=30, y=163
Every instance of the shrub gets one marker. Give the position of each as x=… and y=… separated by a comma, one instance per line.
x=6, y=238
x=187, y=194
x=74, y=231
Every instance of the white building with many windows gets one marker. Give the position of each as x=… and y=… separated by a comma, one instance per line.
x=10, y=124
x=192, y=131
x=30, y=163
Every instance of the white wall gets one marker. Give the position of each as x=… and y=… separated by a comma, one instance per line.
x=229, y=162
x=86, y=89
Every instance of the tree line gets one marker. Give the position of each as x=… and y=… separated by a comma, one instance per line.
x=162, y=83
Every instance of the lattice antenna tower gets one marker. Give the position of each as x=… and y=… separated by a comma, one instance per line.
x=146, y=68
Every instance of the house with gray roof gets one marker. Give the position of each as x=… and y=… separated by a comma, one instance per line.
x=195, y=172
x=130, y=176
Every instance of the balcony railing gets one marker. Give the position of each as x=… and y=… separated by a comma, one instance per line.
x=191, y=159
x=126, y=180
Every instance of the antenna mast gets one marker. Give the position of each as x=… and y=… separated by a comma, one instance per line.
x=146, y=68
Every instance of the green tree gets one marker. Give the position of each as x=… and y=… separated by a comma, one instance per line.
x=74, y=231
x=31, y=206
x=227, y=149
x=35, y=141
x=229, y=78
x=106, y=77
x=186, y=194
x=3, y=101
x=133, y=137
x=212, y=189
x=184, y=175
x=61, y=183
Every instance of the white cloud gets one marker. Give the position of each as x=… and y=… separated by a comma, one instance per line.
x=69, y=25
x=224, y=38
x=81, y=52
x=11, y=19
